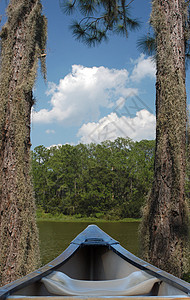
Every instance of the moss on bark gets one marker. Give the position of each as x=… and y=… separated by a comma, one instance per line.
x=23, y=41
x=164, y=229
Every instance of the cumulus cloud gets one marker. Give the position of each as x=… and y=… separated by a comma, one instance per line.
x=55, y=146
x=49, y=131
x=144, y=67
x=142, y=126
x=79, y=95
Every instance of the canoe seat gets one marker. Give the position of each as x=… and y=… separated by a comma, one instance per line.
x=137, y=283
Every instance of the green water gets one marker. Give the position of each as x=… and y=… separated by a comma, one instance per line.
x=56, y=236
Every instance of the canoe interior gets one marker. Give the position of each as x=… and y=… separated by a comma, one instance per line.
x=95, y=256
x=96, y=263
x=88, y=263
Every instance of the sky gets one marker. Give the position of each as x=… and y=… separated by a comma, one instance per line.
x=93, y=94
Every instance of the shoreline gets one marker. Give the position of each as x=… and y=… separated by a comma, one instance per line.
x=42, y=216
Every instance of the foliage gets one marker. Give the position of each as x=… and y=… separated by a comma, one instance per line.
x=111, y=179
x=147, y=43
x=98, y=18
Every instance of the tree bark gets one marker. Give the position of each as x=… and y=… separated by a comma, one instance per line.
x=165, y=222
x=20, y=47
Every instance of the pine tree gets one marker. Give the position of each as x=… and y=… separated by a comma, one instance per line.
x=99, y=18
x=23, y=41
x=165, y=223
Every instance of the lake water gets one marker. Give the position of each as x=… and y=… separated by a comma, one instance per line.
x=56, y=236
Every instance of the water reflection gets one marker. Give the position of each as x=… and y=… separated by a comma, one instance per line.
x=56, y=236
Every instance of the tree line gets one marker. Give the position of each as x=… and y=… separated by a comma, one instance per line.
x=109, y=180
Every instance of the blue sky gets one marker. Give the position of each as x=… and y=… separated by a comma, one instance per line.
x=93, y=94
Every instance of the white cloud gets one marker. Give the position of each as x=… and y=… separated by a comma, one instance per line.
x=60, y=145
x=144, y=67
x=49, y=131
x=126, y=94
x=55, y=146
x=79, y=95
x=142, y=126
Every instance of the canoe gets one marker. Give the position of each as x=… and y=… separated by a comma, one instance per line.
x=95, y=265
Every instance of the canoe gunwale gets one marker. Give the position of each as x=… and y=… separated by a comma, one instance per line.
x=152, y=270
x=96, y=298
x=93, y=236
x=38, y=274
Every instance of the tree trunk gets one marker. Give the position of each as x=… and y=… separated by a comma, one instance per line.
x=21, y=41
x=165, y=222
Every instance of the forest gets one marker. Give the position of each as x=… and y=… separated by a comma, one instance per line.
x=109, y=180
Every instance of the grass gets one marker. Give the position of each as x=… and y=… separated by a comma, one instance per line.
x=42, y=216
